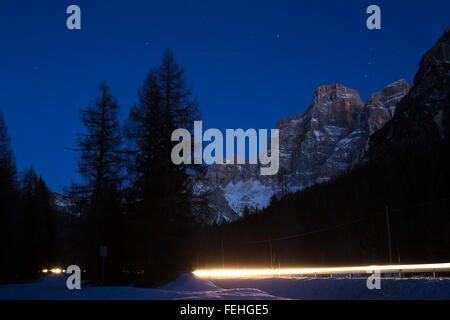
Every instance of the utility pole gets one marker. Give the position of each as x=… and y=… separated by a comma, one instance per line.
x=103, y=254
x=223, y=256
x=389, y=234
x=270, y=250
x=103, y=271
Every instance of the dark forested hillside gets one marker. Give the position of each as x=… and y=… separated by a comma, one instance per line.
x=27, y=219
x=403, y=183
x=344, y=221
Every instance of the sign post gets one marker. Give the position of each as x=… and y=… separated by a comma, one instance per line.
x=388, y=226
x=103, y=254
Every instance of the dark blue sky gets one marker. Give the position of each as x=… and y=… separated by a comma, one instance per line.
x=251, y=63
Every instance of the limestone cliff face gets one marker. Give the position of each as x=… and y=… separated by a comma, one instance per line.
x=328, y=139
x=422, y=118
x=381, y=105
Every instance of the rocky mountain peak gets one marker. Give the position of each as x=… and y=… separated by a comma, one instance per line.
x=390, y=95
x=380, y=106
x=284, y=123
x=327, y=94
x=336, y=105
x=422, y=118
x=325, y=141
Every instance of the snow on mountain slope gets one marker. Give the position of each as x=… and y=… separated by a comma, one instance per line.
x=250, y=193
x=65, y=204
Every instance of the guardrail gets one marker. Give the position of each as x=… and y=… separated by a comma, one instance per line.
x=245, y=273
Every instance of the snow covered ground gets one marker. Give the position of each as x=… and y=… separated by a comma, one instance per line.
x=53, y=287
x=191, y=288
x=344, y=288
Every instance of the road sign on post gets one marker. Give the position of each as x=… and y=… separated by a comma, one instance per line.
x=103, y=251
x=103, y=254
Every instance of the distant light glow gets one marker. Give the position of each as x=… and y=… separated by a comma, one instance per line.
x=56, y=270
x=53, y=270
x=242, y=273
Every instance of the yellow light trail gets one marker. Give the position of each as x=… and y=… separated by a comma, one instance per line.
x=54, y=270
x=243, y=273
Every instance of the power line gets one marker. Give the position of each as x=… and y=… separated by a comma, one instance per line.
x=338, y=225
x=305, y=233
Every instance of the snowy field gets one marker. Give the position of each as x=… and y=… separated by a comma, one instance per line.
x=53, y=287
x=191, y=288
x=345, y=288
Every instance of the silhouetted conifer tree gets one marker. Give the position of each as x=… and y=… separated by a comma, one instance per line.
x=39, y=247
x=100, y=166
x=8, y=204
x=160, y=189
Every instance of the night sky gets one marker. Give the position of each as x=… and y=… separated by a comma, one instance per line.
x=250, y=63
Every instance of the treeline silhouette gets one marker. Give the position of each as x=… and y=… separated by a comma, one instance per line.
x=27, y=219
x=130, y=197
x=344, y=221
